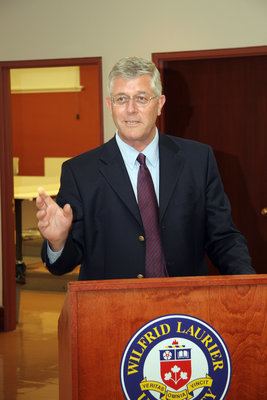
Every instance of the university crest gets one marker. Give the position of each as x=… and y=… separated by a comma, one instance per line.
x=175, y=365
x=175, y=357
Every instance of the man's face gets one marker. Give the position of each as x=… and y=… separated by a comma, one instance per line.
x=136, y=123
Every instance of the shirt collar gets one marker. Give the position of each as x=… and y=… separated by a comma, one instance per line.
x=152, y=151
x=130, y=154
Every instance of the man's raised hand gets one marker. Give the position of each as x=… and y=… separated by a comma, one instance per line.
x=54, y=222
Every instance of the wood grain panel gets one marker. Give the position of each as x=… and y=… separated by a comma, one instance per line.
x=106, y=314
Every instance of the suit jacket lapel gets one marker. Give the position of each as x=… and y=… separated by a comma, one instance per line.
x=113, y=168
x=171, y=166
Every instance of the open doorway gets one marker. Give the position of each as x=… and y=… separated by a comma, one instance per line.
x=33, y=127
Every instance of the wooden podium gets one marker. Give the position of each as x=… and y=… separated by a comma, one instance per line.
x=100, y=317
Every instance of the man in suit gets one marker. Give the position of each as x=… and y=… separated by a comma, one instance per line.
x=96, y=221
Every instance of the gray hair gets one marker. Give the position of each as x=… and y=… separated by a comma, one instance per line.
x=133, y=67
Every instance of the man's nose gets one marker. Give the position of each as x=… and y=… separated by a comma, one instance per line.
x=131, y=105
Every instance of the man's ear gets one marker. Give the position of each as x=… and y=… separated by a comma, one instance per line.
x=109, y=103
x=161, y=103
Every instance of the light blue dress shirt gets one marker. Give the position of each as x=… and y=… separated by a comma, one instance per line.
x=129, y=155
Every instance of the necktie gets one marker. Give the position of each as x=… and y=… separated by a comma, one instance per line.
x=148, y=206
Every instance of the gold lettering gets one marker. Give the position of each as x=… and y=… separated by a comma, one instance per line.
x=165, y=329
x=218, y=365
x=143, y=395
x=142, y=343
x=149, y=337
x=209, y=395
x=134, y=359
x=190, y=331
x=212, y=347
x=179, y=325
x=207, y=340
x=156, y=331
x=215, y=354
x=196, y=333
x=132, y=368
x=137, y=353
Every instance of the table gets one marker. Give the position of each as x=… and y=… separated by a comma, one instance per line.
x=26, y=188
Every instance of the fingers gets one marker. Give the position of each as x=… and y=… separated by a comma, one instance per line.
x=40, y=214
x=42, y=224
x=44, y=198
x=52, y=219
x=40, y=203
x=43, y=201
x=43, y=221
x=67, y=210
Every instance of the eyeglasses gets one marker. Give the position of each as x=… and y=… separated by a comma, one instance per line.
x=139, y=99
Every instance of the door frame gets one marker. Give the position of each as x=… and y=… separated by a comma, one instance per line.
x=8, y=311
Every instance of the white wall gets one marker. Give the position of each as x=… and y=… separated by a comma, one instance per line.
x=37, y=29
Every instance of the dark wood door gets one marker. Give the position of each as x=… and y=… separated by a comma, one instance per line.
x=221, y=100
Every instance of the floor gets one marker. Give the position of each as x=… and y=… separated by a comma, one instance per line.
x=28, y=355
x=38, y=278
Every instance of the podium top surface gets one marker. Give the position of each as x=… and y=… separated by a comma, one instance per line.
x=190, y=281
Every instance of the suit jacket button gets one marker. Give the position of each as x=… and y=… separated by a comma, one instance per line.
x=141, y=238
x=140, y=276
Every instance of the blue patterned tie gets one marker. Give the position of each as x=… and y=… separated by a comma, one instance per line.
x=148, y=206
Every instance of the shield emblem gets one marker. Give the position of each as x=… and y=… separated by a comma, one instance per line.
x=175, y=366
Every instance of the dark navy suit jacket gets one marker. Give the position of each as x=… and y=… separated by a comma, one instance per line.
x=194, y=215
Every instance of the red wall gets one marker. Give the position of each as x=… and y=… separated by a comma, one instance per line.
x=57, y=124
